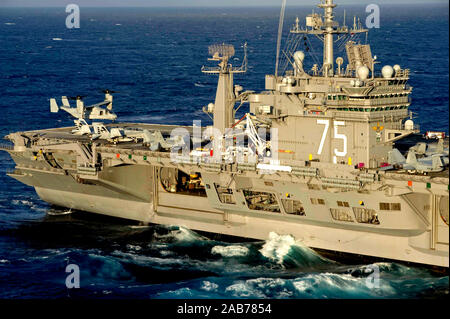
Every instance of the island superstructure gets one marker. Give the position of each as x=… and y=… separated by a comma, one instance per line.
x=325, y=169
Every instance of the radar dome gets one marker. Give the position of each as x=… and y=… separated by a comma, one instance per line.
x=363, y=72
x=409, y=125
x=397, y=68
x=299, y=56
x=387, y=71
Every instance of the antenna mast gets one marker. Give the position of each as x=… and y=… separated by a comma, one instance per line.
x=280, y=33
x=328, y=49
x=225, y=98
x=325, y=26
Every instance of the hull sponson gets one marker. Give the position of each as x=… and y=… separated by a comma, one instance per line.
x=110, y=206
x=235, y=224
x=131, y=187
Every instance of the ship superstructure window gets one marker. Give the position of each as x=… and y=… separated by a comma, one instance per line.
x=337, y=97
x=373, y=109
x=390, y=206
x=342, y=204
x=294, y=207
x=342, y=215
x=366, y=216
x=179, y=182
x=317, y=201
x=225, y=195
x=261, y=201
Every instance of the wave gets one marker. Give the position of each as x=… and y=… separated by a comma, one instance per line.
x=22, y=202
x=326, y=285
x=58, y=213
x=288, y=252
x=100, y=267
x=179, y=234
x=230, y=251
x=134, y=247
x=30, y=204
x=209, y=286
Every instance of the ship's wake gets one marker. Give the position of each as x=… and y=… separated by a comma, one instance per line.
x=118, y=260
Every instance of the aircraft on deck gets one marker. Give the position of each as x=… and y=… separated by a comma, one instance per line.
x=412, y=164
x=92, y=112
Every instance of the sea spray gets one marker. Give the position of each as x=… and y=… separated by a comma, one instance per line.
x=277, y=246
x=230, y=251
x=179, y=234
x=288, y=252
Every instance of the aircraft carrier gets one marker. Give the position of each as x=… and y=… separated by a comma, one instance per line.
x=320, y=155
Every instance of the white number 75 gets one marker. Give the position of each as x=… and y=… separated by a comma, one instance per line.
x=336, y=136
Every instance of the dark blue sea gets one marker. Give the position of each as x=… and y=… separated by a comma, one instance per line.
x=153, y=58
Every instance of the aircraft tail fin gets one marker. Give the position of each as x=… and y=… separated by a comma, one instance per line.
x=412, y=158
x=395, y=157
x=436, y=162
x=65, y=101
x=147, y=137
x=54, y=108
x=440, y=146
x=420, y=148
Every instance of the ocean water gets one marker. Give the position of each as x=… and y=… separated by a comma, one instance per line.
x=153, y=57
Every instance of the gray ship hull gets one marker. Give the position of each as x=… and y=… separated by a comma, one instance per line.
x=136, y=194
x=404, y=248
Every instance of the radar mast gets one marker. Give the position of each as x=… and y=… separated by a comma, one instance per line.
x=223, y=108
x=325, y=27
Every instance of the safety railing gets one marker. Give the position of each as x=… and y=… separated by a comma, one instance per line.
x=6, y=147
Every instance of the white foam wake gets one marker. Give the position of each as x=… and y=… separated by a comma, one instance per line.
x=277, y=247
x=230, y=251
x=180, y=234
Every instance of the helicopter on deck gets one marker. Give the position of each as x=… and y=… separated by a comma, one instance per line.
x=92, y=112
